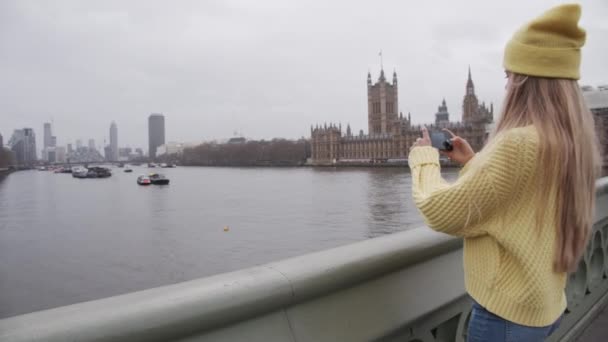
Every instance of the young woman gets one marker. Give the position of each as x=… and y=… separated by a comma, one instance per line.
x=524, y=204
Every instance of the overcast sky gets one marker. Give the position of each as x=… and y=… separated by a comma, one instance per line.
x=263, y=68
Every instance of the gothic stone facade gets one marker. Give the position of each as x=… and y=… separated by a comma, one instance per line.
x=390, y=134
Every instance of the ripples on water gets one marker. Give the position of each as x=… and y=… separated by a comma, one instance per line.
x=65, y=240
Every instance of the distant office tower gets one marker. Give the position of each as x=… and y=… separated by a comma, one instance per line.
x=70, y=151
x=47, y=135
x=107, y=152
x=23, y=144
x=1, y=142
x=156, y=133
x=113, y=141
x=49, y=154
x=60, y=154
x=78, y=144
x=92, y=144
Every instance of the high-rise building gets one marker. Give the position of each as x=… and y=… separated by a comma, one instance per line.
x=49, y=154
x=78, y=144
x=92, y=144
x=49, y=144
x=49, y=139
x=23, y=144
x=60, y=154
x=1, y=142
x=47, y=135
x=70, y=150
x=107, y=152
x=113, y=141
x=156, y=133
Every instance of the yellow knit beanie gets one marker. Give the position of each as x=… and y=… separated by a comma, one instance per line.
x=548, y=46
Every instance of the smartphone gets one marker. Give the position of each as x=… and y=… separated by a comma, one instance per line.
x=441, y=141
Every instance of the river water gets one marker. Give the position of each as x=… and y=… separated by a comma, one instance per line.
x=65, y=240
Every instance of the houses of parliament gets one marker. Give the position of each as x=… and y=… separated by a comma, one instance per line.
x=390, y=134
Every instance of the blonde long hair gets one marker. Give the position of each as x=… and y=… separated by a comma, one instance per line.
x=568, y=152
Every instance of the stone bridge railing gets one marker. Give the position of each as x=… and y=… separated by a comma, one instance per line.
x=402, y=287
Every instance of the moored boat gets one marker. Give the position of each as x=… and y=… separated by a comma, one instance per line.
x=143, y=180
x=79, y=172
x=158, y=179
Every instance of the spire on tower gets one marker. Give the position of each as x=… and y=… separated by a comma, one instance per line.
x=470, y=86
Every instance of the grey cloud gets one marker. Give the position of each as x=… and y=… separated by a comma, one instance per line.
x=268, y=68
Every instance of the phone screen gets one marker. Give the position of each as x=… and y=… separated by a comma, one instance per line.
x=438, y=140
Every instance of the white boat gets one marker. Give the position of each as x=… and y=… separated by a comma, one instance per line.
x=143, y=180
x=79, y=172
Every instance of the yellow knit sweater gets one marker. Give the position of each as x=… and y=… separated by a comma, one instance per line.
x=508, y=262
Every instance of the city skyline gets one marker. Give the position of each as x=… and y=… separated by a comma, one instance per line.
x=252, y=68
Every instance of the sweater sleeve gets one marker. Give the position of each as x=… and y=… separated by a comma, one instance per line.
x=488, y=181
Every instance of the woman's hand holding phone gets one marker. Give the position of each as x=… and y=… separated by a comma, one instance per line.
x=461, y=152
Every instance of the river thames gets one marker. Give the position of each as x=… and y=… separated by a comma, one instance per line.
x=65, y=240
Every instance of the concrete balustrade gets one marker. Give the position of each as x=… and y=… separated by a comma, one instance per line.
x=401, y=287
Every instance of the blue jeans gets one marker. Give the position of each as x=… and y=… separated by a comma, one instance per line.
x=485, y=326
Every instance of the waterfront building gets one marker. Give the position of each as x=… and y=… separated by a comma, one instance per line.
x=170, y=148
x=124, y=153
x=390, y=134
x=23, y=145
x=156, y=133
x=92, y=144
x=113, y=141
x=597, y=101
